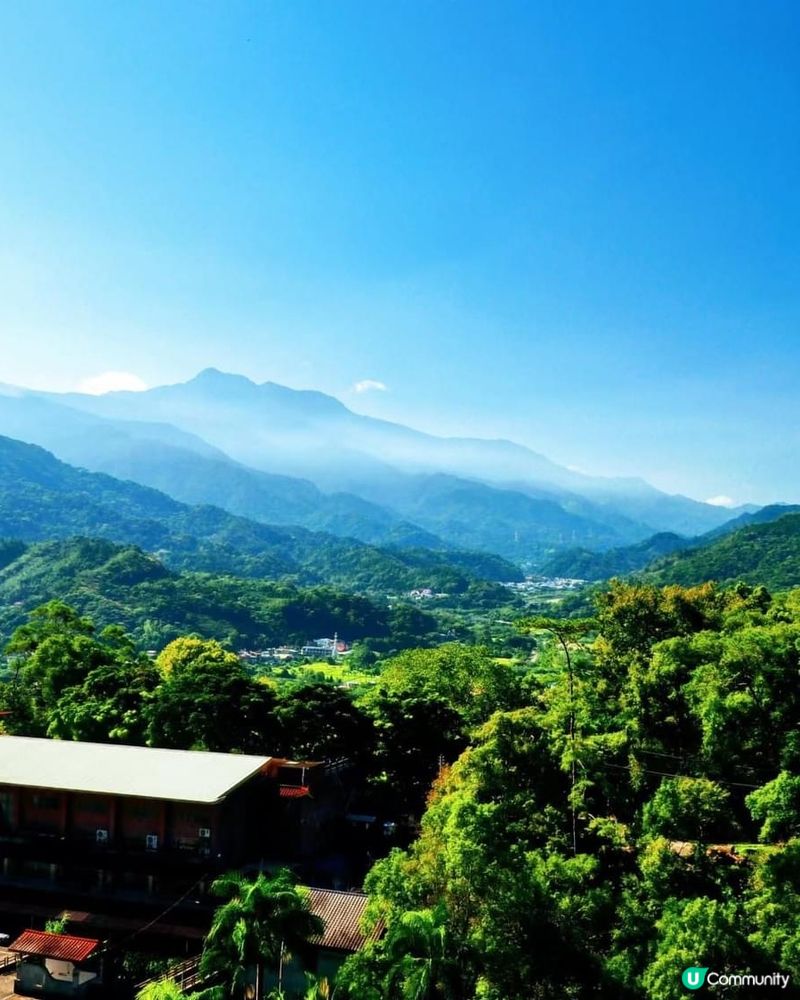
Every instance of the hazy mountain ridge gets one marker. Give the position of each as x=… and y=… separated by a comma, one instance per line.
x=652, y=552
x=42, y=498
x=285, y=456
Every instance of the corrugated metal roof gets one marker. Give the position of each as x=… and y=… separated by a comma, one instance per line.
x=66, y=947
x=342, y=913
x=143, y=772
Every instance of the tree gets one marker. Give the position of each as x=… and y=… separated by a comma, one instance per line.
x=111, y=705
x=686, y=809
x=422, y=965
x=318, y=720
x=567, y=631
x=263, y=920
x=695, y=932
x=776, y=806
x=207, y=701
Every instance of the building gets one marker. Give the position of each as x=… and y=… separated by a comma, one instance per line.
x=111, y=798
x=56, y=965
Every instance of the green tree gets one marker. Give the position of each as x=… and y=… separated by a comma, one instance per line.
x=207, y=701
x=261, y=921
x=422, y=965
x=686, y=809
x=776, y=806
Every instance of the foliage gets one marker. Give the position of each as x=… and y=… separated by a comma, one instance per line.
x=259, y=921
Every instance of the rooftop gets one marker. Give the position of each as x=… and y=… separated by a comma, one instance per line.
x=66, y=947
x=106, y=769
x=342, y=913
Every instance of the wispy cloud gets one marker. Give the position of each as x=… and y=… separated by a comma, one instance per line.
x=721, y=501
x=370, y=385
x=98, y=385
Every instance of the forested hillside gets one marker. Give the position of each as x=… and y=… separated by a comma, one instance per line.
x=766, y=554
x=636, y=814
x=123, y=585
x=583, y=564
x=42, y=498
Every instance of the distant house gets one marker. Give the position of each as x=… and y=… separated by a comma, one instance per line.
x=56, y=965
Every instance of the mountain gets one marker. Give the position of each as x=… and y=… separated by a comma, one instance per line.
x=188, y=469
x=293, y=435
x=584, y=564
x=431, y=511
x=43, y=498
x=123, y=585
x=763, y=515
x=766, y=554
x=581, y=564
x=310, y=434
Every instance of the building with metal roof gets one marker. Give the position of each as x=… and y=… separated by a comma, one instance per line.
x=66, y=947
x=111, y=769
x=103, y=797
x=56, y=965
x=342, y=913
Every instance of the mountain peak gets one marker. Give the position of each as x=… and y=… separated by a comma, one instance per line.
x=213, y=376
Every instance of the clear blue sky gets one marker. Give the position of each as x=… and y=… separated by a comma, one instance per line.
x=574, y=224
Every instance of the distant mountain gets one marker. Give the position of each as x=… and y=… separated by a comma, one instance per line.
x=766, y=554
x=314, y=436
x=581, y=564
x=431, y=511
x=764, y=515
x=42, y=498
x=584, y=564
x=188, y=469
x=285, y=457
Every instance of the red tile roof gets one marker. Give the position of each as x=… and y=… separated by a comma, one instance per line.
x=67, y=947
x=293, y=791
x=341, y=913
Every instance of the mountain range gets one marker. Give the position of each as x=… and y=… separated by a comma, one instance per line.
x=43, y=499
x=286, y=457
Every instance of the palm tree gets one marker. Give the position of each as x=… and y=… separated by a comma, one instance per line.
x=168, y=989
x=262, y=920
x=161, y=989
x=418, y=949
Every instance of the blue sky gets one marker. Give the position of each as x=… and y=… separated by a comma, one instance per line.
x=572, y=224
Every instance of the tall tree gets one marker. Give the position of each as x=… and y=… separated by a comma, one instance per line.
x=262, y=920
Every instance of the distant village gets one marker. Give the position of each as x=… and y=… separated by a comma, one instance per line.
x=316, y=649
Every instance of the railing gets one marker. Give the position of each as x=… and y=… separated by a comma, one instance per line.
x=8, y=963
x=186, y=974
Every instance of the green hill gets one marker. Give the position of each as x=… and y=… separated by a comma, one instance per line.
x=123, y=585
x=581, y=564
x=42, y=498
x=766, y=554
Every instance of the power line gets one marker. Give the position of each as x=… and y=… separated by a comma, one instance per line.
x=677, y=774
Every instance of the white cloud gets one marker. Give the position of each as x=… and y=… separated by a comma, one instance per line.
x=721, y=501
x=370, y=385
x=97, y=385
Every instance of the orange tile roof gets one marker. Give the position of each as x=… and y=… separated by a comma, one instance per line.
x=66, y=947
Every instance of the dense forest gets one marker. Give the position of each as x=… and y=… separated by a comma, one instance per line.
x=592, y=821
